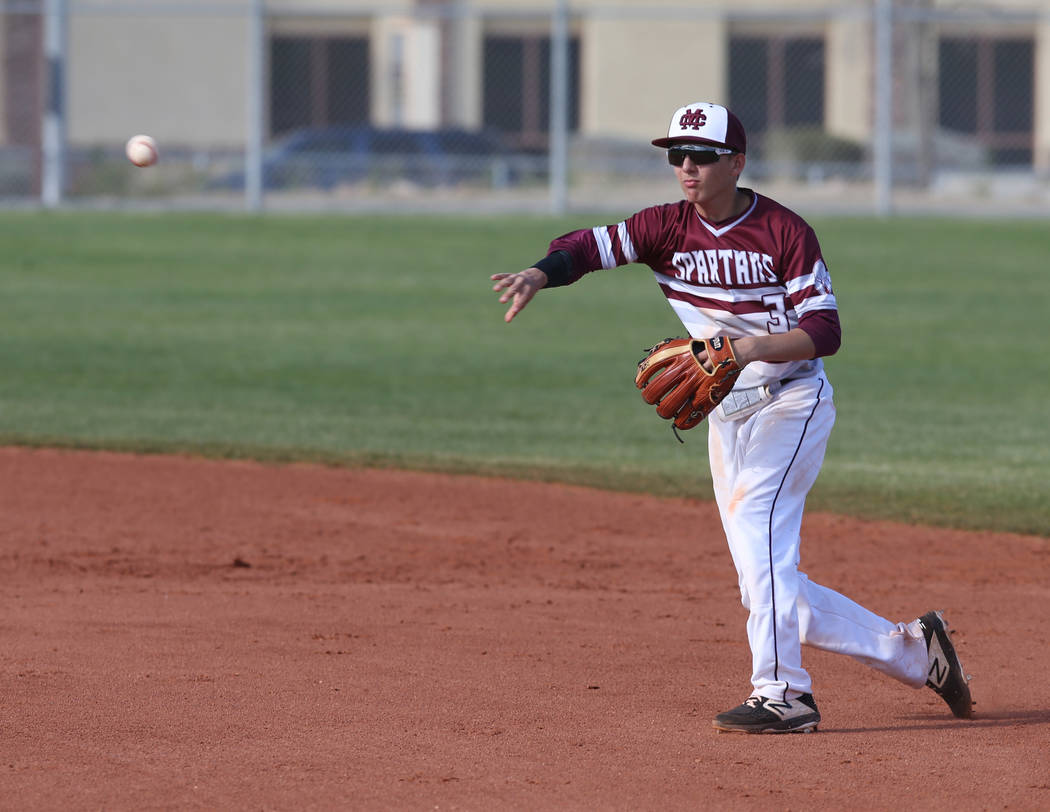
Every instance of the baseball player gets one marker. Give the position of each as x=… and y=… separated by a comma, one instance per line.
x=736, y=264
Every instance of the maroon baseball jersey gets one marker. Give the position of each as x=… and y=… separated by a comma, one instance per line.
x=755, y=274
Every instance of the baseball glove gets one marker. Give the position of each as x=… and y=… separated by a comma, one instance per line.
x=672, y=377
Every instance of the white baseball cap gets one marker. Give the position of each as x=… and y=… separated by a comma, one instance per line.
x=705, y=123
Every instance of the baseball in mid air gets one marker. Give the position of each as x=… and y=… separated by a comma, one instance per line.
x=141, y=150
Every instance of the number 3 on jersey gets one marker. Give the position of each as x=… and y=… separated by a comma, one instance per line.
x=777, y=306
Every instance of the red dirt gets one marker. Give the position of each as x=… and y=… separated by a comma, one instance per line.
x=190, y=634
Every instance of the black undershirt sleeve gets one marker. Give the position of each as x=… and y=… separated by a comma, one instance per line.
x=558, y=267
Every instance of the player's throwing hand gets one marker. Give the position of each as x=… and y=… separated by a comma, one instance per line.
x=519, y=287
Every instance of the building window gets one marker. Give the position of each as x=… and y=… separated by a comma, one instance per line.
x=517, y=87
x=776, y=82
x=986, y=89
x=318, y=81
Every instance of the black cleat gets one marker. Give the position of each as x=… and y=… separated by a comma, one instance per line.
x=760, y=714
x=945, y=674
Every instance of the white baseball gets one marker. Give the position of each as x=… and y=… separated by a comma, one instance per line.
x=141, y=150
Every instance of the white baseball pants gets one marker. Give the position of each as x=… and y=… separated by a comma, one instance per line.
x=763, y=467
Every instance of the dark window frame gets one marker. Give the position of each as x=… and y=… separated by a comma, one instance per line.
x=516, y=86
x=984, y=57
x=772, y=92
x=308, y=84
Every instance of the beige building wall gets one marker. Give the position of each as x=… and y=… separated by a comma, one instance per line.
x=406, y=72
x=634, y=76
x=1041, y=152
x=465, y=106
x=181, y=79
x=849, y=79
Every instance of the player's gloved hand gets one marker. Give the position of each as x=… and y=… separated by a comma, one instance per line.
x=686, y=378
x=518, y=288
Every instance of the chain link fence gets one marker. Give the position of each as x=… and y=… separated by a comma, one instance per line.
x=888, y=105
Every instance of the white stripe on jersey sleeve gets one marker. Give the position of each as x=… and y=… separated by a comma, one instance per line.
x=605, y=248
x=625, y=242
x=818, y=278
x=817, y=303
x=800, y=283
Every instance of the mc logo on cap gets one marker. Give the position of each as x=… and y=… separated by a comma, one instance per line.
x=705, y=123
x=690, y=118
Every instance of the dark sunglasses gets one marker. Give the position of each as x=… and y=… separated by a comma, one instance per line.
x=698, y=155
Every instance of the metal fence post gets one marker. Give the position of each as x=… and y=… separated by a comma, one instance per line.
x=882, y=139
x=559, y=113
x=52, y=185
x=255, y=113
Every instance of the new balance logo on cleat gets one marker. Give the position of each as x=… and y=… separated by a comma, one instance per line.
x=945, y=675
x=760, y=714
x=782, y=709
x=939, y=669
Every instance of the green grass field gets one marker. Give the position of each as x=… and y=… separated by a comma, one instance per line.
x=378, y=341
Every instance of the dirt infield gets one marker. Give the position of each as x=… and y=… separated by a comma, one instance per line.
x=189, y=634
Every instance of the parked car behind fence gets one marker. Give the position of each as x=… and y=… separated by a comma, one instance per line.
x=331, y=156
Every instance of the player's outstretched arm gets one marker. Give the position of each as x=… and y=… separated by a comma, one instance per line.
x=518, y=288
